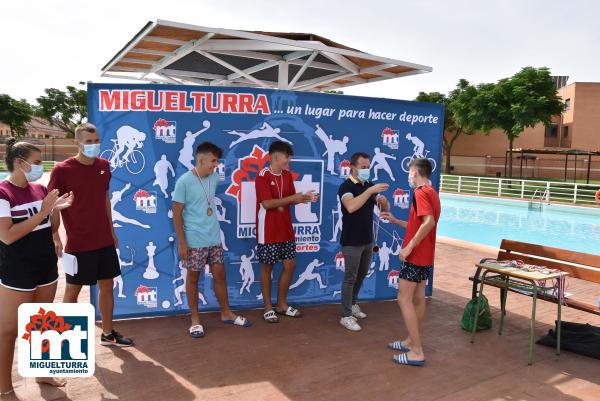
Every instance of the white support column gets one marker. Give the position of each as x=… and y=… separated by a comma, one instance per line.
x=282, y=81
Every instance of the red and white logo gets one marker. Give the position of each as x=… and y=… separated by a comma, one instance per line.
x=145, y=201
x=339, y=261
x=165, y=130
x=306, y=218
x=147, y=296
x=401, y=198
x=393, y=277
x=345, y=169
x=390, y=137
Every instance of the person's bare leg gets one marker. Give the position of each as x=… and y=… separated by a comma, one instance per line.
x=220, y=287
x=265, y=285
x=191, y=291
x=420, y=307
x=106, y=302
x=406, y=293
x=45, y=294
x=11, y=300
x=289, y=265
x=71, y=293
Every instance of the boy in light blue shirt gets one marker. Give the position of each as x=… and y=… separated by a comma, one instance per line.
x=199, y=235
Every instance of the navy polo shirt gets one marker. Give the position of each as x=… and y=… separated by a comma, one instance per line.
x=357, y=227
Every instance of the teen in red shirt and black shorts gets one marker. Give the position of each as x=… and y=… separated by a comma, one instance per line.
x=417, y=254
x=275, y=193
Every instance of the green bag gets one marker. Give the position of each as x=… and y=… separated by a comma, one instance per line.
x=484, y=321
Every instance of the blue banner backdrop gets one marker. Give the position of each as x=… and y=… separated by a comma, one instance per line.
x=149, y=134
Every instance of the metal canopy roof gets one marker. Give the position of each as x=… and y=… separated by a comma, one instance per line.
x=172, y=52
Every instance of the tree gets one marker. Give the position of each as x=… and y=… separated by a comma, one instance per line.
x=513, y=104
x=15, y=114
x=64, y=109
x=457, y=115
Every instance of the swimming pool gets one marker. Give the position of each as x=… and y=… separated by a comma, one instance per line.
x=487, y=221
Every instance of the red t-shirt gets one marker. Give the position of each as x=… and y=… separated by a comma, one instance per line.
x=428, y=203
x=86, y=220
x=272, y=225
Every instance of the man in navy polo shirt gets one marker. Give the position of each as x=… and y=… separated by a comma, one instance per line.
x=358, y=197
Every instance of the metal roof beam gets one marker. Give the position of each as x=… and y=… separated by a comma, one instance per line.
x=303, y=68
x=311, y=83
x=342, y=61
x=192, y=74
x=166, y=41
x=183, y=51
x=231, y=67
x=149, y=51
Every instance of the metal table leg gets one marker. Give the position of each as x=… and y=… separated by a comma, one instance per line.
x=477, y=306
x=532, y=332
x=558, y=318
x=503, y=306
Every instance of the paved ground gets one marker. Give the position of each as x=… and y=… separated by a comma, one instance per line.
x=314, y=358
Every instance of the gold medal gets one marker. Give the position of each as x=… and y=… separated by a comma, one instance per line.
x=207, y=194
x=280, y=208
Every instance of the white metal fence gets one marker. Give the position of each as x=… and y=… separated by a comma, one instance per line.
x=565, y=192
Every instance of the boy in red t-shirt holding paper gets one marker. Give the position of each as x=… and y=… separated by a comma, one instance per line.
x=417, y=254
x=275, y=193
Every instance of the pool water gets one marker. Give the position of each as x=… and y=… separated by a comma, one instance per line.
x=487, y=221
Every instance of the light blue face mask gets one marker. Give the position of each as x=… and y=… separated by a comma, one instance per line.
x=35, y=173
x=91, y=150
x=364, y=174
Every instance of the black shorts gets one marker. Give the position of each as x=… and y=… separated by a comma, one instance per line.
x=415, y=273
x=28, y=277
x=100, y=264
x=269, y=254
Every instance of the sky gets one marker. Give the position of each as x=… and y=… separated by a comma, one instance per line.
x=58, y=43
